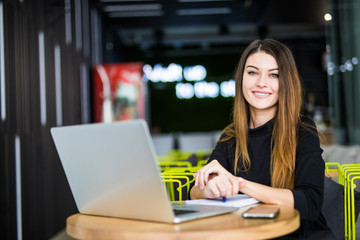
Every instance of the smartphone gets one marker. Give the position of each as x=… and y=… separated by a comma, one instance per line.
x=261, y=212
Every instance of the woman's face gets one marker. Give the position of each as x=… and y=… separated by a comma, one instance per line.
x=261, y=83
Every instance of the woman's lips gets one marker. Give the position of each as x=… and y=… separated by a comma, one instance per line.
x=261, y=94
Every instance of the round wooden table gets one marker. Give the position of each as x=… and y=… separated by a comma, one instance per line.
x=228, y=226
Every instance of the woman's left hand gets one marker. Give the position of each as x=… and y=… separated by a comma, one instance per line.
x=223, y=185
x=209, y=171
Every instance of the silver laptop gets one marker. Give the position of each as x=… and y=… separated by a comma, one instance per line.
x=112, y=171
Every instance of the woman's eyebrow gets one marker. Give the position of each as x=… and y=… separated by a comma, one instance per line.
x=272, y=69
x=251, y=66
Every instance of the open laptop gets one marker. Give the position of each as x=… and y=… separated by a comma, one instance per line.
x=112, y=171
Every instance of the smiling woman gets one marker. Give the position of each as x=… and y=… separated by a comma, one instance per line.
x=270, y=152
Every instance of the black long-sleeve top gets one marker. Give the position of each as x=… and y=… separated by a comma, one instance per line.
x=309, y=173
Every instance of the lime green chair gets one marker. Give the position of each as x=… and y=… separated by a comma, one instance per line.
x=352, y=227
x=177, y=155
x=170, y=186
x=349, y=173
x=346, y=174
x=172, y=164
x=332, y=169
x=178, y=180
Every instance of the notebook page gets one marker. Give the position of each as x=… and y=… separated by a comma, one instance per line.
x=239, y=200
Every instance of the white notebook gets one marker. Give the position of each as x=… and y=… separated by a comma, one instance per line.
x=239, y=200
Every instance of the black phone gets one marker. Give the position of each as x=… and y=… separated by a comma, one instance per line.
x=261, y=212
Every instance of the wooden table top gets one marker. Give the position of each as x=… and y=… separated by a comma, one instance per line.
x=228, y=226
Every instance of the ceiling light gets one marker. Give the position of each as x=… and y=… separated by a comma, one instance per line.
x=203, y=11
x=327, y=17
x=128, y=0
x=135, y=7
x=136, y=14
x=203, y=0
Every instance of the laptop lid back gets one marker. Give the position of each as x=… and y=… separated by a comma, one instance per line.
x=107, y=164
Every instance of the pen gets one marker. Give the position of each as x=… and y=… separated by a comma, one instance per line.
x=224, y=199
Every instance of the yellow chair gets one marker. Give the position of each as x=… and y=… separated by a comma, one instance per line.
x=202, y=163
x=165, y=158
x=198, y=158
x=184, y=169
x=177, y=155
x=168, y=165
x=347, y=174
x=332, y=169
x=178, y=179
x=169, y=184
x=344, y=168
x=189, y=176
x=352, y=206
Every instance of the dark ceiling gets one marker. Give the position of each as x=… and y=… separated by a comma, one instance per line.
x=177, y=24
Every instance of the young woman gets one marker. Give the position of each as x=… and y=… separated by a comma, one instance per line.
x=270, y=151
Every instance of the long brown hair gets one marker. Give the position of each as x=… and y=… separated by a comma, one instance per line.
x=286, y=121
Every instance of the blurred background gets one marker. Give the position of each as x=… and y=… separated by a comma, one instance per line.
x=170, y=62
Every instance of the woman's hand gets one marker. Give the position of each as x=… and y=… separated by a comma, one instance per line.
x=208, y=172
x=216, y=181
x=223, y=186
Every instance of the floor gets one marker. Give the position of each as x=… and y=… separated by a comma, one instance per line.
x=61, y=236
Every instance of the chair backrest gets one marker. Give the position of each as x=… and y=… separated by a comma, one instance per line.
x=333, y=206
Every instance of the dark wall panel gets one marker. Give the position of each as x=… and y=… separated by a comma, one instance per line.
x=46, y=199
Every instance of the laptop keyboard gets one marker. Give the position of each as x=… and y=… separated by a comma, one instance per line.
x=178, y=212
x=181, y=208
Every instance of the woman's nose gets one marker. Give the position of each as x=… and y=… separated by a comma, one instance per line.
x=262, y=81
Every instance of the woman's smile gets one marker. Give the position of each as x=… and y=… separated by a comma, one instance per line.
x=261, y=94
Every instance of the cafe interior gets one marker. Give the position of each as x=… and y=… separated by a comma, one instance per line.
x=169, y=62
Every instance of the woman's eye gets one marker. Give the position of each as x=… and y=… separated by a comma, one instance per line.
x=274, y=75
x=251, y=73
